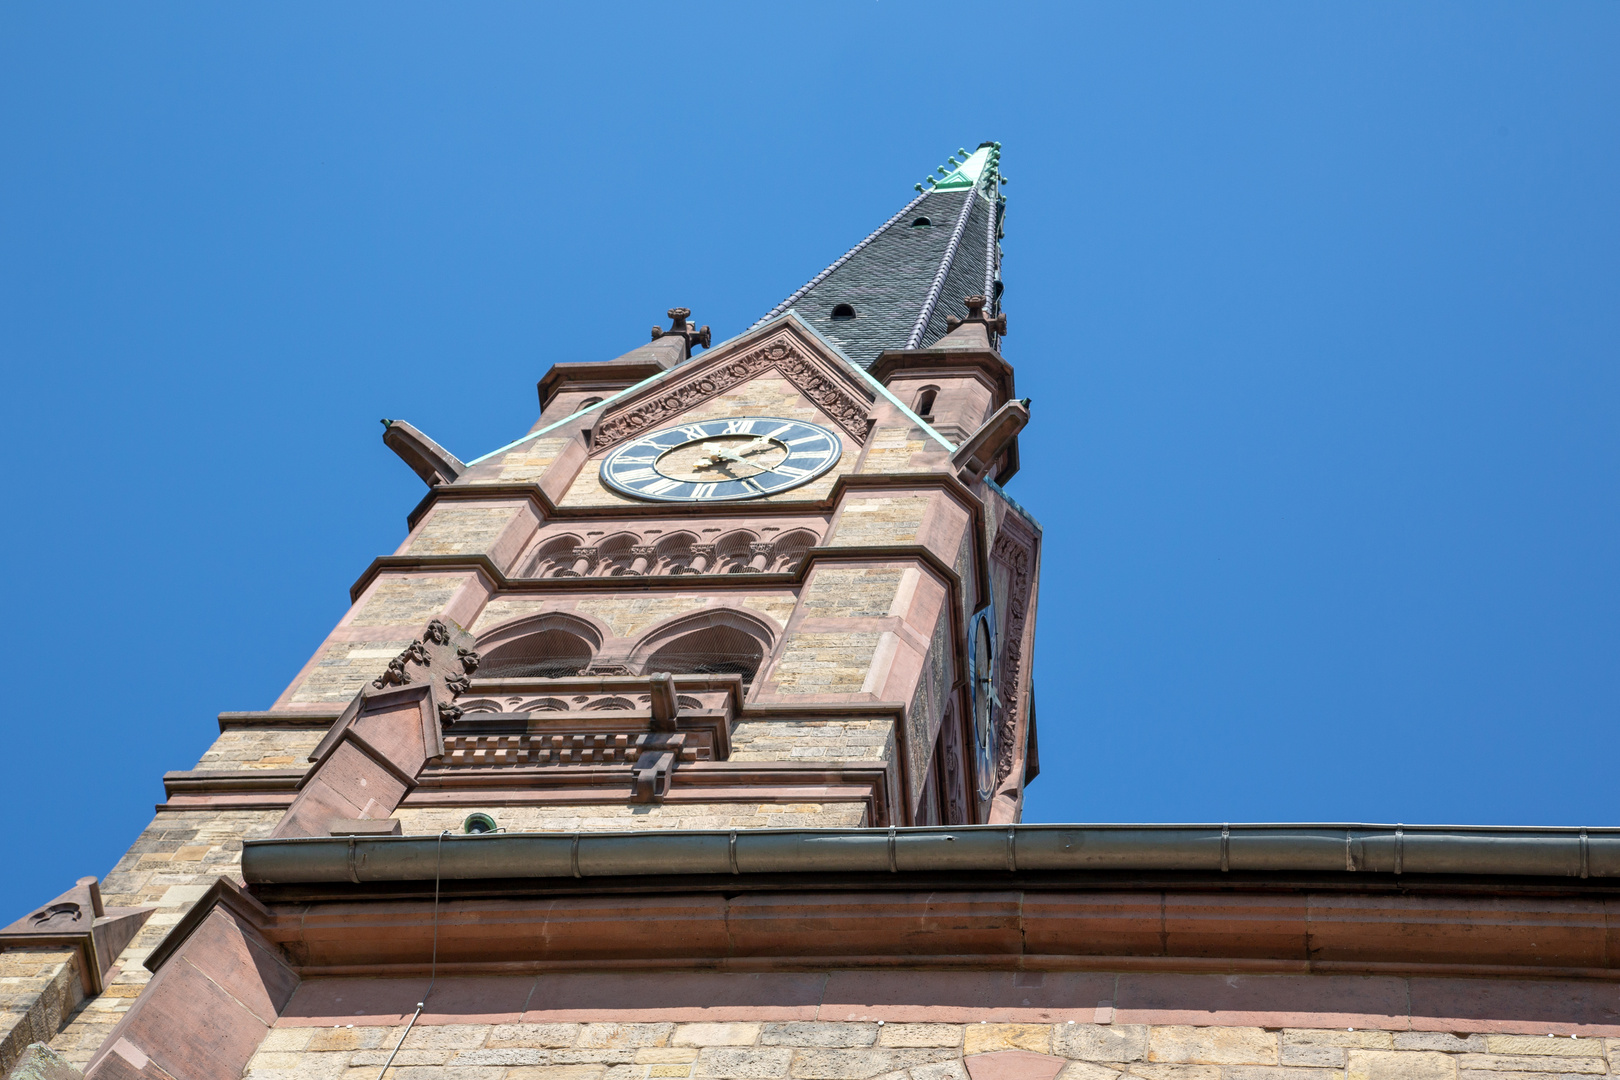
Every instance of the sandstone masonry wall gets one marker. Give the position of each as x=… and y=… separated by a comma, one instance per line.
x=427, y=821
x=38, y=989
x=817, y=1050
x=176, y=859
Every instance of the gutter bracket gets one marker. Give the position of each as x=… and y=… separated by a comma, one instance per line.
x=1226, y=846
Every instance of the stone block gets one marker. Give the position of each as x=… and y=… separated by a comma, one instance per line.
x=344, y=1038
x=1363, y=1040
x=1399, y=1065
x=447, y=1036
x=624, y=1036
x=1277, y=1072
x=716, y=1035
x=375, y=1058
x=988, y=1038
x=1087, y=1070
x=505, y=1055
x=557, y=1072
x=940, y=1070
x=288, y=1038
x=666, y=1055
x=40, y=1062
x=818, y=1034
x=1314, y=1054
x=1438, y=1040
x=1150, y=1071
x=920, y=1035
x=1559, y=1046
x=1213, y=1045
x=735, y=1063
x=1100, y=1042
x=817, y=1064
x=551, y=1036
x=1533, y=1063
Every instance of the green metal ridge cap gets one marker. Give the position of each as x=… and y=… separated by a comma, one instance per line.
x=970, y=172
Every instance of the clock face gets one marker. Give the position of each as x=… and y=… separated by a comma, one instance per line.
x=738, y=457
x=981, y=655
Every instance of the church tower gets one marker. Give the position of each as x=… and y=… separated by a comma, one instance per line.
x=768, y=581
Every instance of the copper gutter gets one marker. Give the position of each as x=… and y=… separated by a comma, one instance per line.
x=1578, y=853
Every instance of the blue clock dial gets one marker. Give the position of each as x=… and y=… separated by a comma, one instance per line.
x=739, y=457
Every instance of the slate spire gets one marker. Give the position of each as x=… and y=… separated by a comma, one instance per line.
x=896, y=288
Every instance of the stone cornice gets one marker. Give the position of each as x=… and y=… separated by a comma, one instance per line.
x=987, y=360
x=550, y=511
x=603, y=375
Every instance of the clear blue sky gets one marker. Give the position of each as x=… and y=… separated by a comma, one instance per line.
x=1317, y=304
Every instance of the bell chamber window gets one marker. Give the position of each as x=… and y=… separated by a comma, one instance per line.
x=843, y=311
x=549, y=654
x=712, y=650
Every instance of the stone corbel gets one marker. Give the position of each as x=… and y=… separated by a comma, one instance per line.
x=973, y=458
x=655, y=767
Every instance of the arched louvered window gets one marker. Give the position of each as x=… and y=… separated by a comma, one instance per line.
x=712, y=650
x=547, y=654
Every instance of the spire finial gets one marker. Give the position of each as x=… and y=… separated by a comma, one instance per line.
x=975, y=304
x=679, y=327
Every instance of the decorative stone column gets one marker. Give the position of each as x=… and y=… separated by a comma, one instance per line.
x=584, y=557
x=644, y=557
x=761, y=553
x=702, y=555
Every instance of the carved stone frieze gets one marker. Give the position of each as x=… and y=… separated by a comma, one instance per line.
x=397, y=672
x=1015, y=551
x=846, y=407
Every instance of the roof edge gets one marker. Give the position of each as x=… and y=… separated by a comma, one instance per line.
x=1527, y=852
